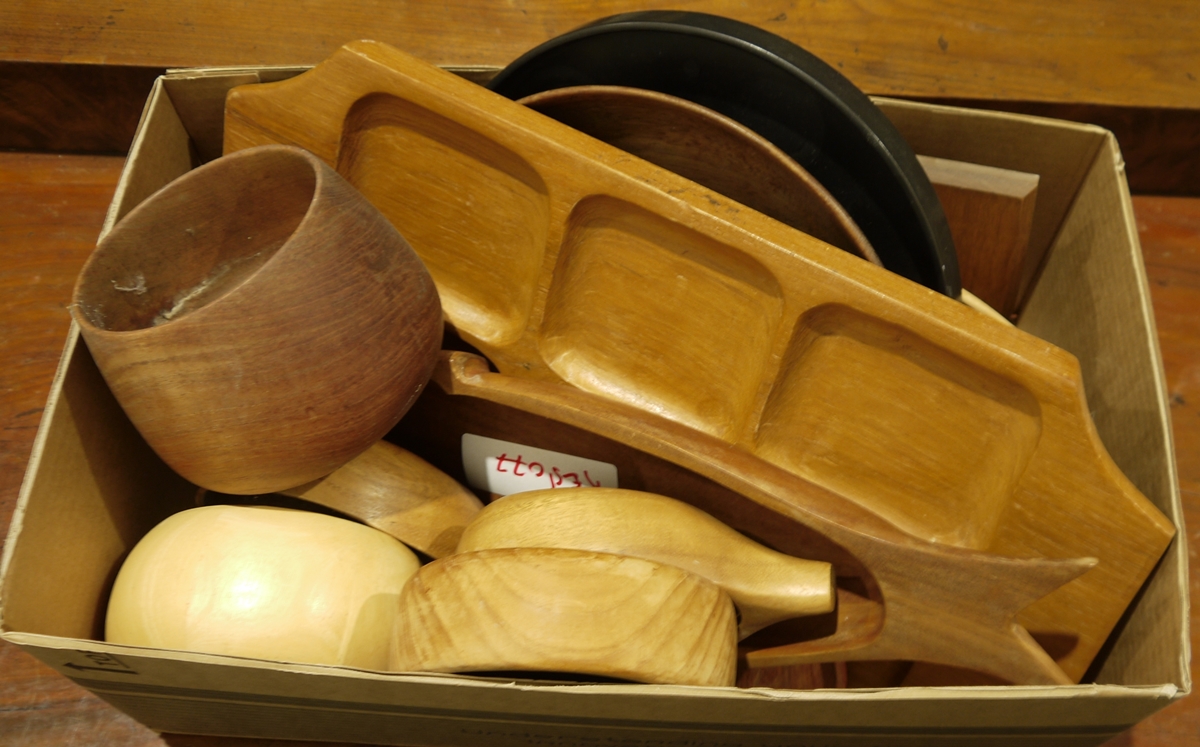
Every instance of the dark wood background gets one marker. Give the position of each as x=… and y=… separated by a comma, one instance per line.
x=74, y=76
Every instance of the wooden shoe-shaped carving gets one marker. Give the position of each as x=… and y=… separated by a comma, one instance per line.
x=569, y=262
x=940, y=604
x=766, y=586
x=387, y=488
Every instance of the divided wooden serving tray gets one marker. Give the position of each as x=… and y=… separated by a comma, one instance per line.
x=865, y=397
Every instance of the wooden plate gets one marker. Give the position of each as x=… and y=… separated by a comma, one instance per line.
x=710, y=149
x=782, y=92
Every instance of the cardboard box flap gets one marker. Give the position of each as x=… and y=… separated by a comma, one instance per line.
x=157, y=165
x=1093, y=296
x=111, y=668
x=79, y=507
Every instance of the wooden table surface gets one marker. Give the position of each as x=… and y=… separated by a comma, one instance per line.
x=1114, y=52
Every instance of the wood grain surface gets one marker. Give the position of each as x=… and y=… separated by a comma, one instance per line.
x=990, y=212
x=1031, y=50
x=51, y=208
x=737, y=162
x=399, y=493
x=82, y=108
x=554, y=610
x=275, y=284
x=65, y=108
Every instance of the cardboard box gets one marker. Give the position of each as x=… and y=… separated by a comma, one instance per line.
x=93, y=488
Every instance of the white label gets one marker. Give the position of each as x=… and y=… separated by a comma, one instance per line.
x=504, y=468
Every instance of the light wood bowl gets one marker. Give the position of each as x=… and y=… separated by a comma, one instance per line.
x=710, y=149
x=259, y=321
x=566, y=611
x=267, y=583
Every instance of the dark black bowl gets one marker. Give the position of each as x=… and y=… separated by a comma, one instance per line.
x=767, y=83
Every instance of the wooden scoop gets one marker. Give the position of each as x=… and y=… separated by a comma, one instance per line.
x=766, y=586
x=399, y=493
x=387, y=488
x=627, y=290
x=565, y=611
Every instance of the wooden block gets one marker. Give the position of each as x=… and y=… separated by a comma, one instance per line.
x=990, y=212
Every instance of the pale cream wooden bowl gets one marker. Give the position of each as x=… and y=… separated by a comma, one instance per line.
x=259, y=320
x=261, y=582
x=566, y=611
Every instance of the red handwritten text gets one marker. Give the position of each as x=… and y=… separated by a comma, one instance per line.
x=554, y=476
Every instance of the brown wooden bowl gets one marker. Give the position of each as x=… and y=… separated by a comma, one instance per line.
x=709, y=149
x=260, y=322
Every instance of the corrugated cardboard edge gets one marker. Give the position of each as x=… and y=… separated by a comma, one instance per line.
x=722, y=705
x=133, y=186
x=1072, y=245
x=35, y=458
